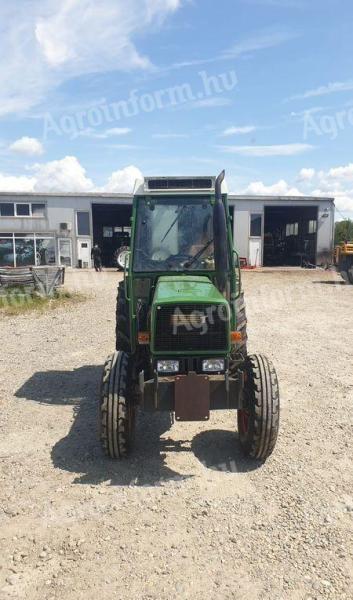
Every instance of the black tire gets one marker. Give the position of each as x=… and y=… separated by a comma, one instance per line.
x=122, y=330
x=350, y=274
x=120, y=257
x=116, y=408
x=258, y=421
x=240, y=310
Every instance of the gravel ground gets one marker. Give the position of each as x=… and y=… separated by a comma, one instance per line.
x=186, y=516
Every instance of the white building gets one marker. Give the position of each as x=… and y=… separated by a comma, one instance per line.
x=37, y=228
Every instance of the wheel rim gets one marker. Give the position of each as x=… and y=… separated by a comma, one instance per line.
x=122, y=258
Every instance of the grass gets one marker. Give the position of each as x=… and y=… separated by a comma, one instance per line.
x=17, y=301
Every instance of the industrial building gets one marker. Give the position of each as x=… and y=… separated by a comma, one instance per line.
x=60, y=228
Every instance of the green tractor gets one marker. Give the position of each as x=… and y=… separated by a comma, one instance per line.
x=181, y=342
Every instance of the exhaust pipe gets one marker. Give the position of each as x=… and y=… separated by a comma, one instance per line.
x=220, y=236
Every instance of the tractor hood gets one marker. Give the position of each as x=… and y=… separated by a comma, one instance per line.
x=187, y=288
x=190, y=317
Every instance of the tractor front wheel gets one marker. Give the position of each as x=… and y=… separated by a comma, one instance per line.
x=117, y=408
x=258, y=420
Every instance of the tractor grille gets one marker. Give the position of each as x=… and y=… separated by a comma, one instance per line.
x=190, y=328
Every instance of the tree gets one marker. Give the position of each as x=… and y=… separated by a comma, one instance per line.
x=344, y=231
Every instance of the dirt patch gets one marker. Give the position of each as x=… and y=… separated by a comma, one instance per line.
x=186, y=516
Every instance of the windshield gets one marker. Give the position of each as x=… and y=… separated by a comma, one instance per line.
x=174, y=235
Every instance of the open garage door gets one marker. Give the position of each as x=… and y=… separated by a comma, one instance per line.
x=290, y=236
x=111, y=229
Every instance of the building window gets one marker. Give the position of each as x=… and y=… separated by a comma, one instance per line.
x=255, y=225
x=7, y=255
x=292, y=229
x=83, y=224
x=312, y=226
x=25, y=250
x=45, y=251
x=23, y=210
x=7, y=209
x=65, y=252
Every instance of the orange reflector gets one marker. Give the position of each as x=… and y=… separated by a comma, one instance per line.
x=235, y=337
x=143, y=337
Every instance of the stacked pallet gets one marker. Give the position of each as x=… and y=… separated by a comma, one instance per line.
x=44, y=280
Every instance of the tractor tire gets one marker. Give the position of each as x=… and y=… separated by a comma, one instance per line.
x=258, y=421
x=350, y=275
x=120, y=257
x=122, y=331
x=116, y=408
x=240, y=310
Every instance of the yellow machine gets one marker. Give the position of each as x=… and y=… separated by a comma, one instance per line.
x=343, y=260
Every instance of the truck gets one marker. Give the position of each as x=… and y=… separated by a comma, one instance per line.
x=181, y=326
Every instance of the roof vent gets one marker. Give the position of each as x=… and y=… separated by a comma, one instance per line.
x=180, y=183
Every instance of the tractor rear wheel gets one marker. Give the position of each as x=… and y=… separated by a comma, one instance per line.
x=121, y=257
x=122, y=321
x=116, y=408
x=258, y=421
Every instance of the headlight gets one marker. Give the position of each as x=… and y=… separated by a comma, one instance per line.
x=213, y=365
x=167, y=366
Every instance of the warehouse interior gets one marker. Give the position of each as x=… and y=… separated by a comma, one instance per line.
x=111, y=229
x=290, y=236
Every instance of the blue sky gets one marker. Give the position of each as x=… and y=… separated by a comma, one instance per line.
x=262, y=88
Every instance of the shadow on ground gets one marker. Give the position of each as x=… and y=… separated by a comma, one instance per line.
x=220, y=450
x=329, y=282
x=79, y=451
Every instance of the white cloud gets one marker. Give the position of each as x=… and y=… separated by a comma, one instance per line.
x=343, y=173
x=273, y=150
x=335, y=183
x=11, y=183
x=306, y=174
x=103, y=135
x=211, y=102
x=260, y=41
x=123, y=146
x=27, y=145
x=280, y=188
x=239, y=130
x=68, y=175
x=123, y=180
x=65, y=175
x=170, y=136
x=44, y=43
x=325, y=90
x=116, y=131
